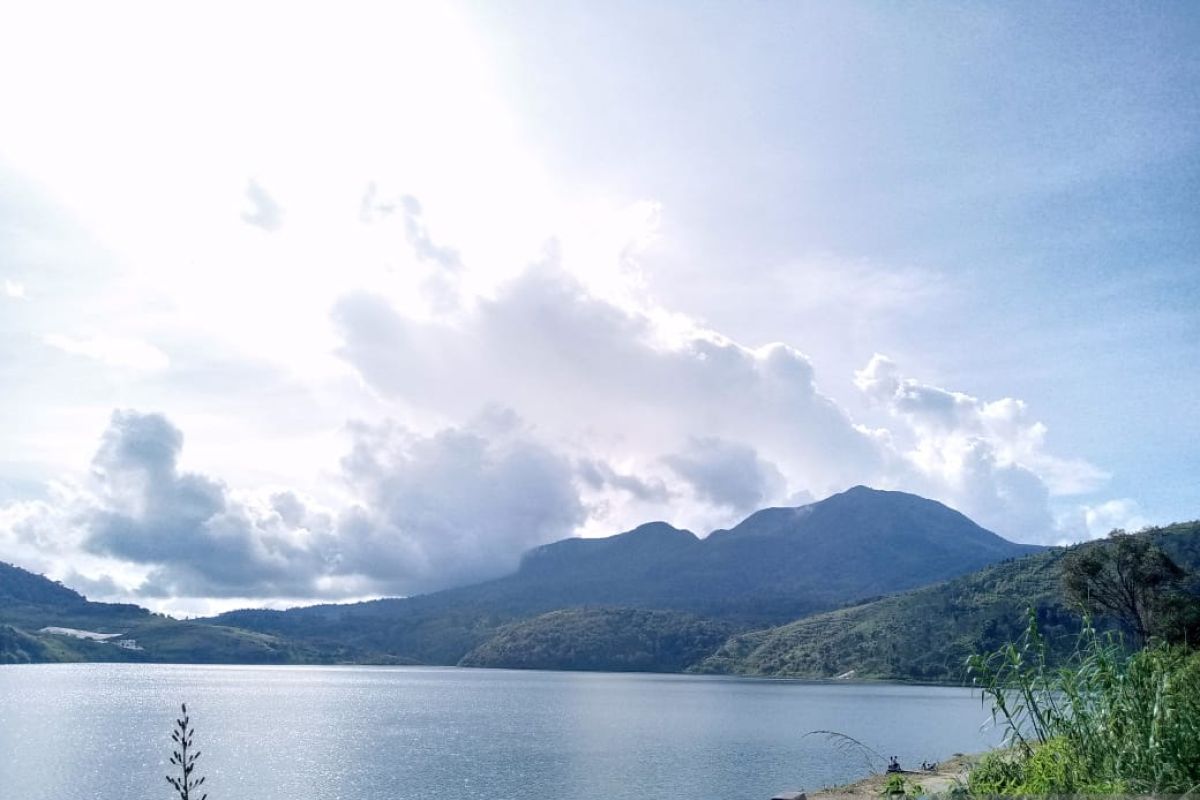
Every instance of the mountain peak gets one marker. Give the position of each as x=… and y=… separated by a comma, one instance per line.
x=655, y=530
x=860, y=491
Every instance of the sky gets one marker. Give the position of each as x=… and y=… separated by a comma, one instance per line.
x=306, y=303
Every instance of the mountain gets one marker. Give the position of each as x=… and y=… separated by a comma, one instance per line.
x=926, y=634
x=777, y=565
x=30, y=603
x=780, y=563
x=655, y=597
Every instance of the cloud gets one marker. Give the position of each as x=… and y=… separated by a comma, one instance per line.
x=451, y=508
x=372, y=207
x=264, y=211
x=14, y=289
x=600, y=475
x=1099, y=519
x=102, y=588
x=988, y=459
x=535, y=409
x=623, y=382
x=199, y=539
x=428, y=511
x=617, y=382
x=115, y=351
x=728, y=473
x=441, y=284
x=422, y=243
x=432, y=510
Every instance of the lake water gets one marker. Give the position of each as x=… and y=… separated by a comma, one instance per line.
x=100, y=731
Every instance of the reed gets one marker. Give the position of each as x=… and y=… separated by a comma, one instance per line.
x=1107, y=722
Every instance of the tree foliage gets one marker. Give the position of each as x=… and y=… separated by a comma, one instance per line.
x=1132, y=580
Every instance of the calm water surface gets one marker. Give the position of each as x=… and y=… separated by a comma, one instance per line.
x=99, y=731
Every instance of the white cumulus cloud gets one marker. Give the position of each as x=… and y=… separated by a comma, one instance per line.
x=987, y=458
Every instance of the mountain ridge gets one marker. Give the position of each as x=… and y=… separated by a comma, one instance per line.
x=777, y=565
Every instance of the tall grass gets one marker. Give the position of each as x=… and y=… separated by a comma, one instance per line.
x=1106, y=722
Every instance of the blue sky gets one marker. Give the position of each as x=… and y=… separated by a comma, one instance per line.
x=399, y=292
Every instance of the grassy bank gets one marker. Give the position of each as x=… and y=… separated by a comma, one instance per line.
x=1107, y=722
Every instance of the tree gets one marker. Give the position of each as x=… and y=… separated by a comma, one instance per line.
x=1129, y=578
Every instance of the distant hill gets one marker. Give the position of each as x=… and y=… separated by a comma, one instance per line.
x=30, y=602
x=777, y=565
x=926, y=634
x=617, y=640
x=33, y=601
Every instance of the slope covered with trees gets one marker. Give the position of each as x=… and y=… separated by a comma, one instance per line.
x=621, y=639
x=927, y=634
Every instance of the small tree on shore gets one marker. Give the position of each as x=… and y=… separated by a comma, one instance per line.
x=185, y=759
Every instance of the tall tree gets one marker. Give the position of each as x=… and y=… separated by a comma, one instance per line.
x=1129, y=578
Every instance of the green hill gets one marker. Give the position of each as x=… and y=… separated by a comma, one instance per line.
x=29, y=603
x=928, y=633
x=618, y=640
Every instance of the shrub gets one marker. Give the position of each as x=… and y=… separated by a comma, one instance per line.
x=898, y=786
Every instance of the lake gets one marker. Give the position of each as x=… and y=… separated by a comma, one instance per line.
x=99, y=731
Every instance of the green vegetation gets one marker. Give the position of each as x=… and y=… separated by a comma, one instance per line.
x=1137, y=583
x=928, y=634
x=1106, y=722
x=899, y=786
x=923, y=635
x=29, y=603
x=18, y=647
x=622, y=639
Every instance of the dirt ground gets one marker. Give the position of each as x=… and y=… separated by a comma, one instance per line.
x=948, y=774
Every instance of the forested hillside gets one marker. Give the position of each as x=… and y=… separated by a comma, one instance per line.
x=928, y=633
x=602, y=639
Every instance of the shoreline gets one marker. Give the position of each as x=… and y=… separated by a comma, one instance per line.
x=833, y=681
x=949, y=774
